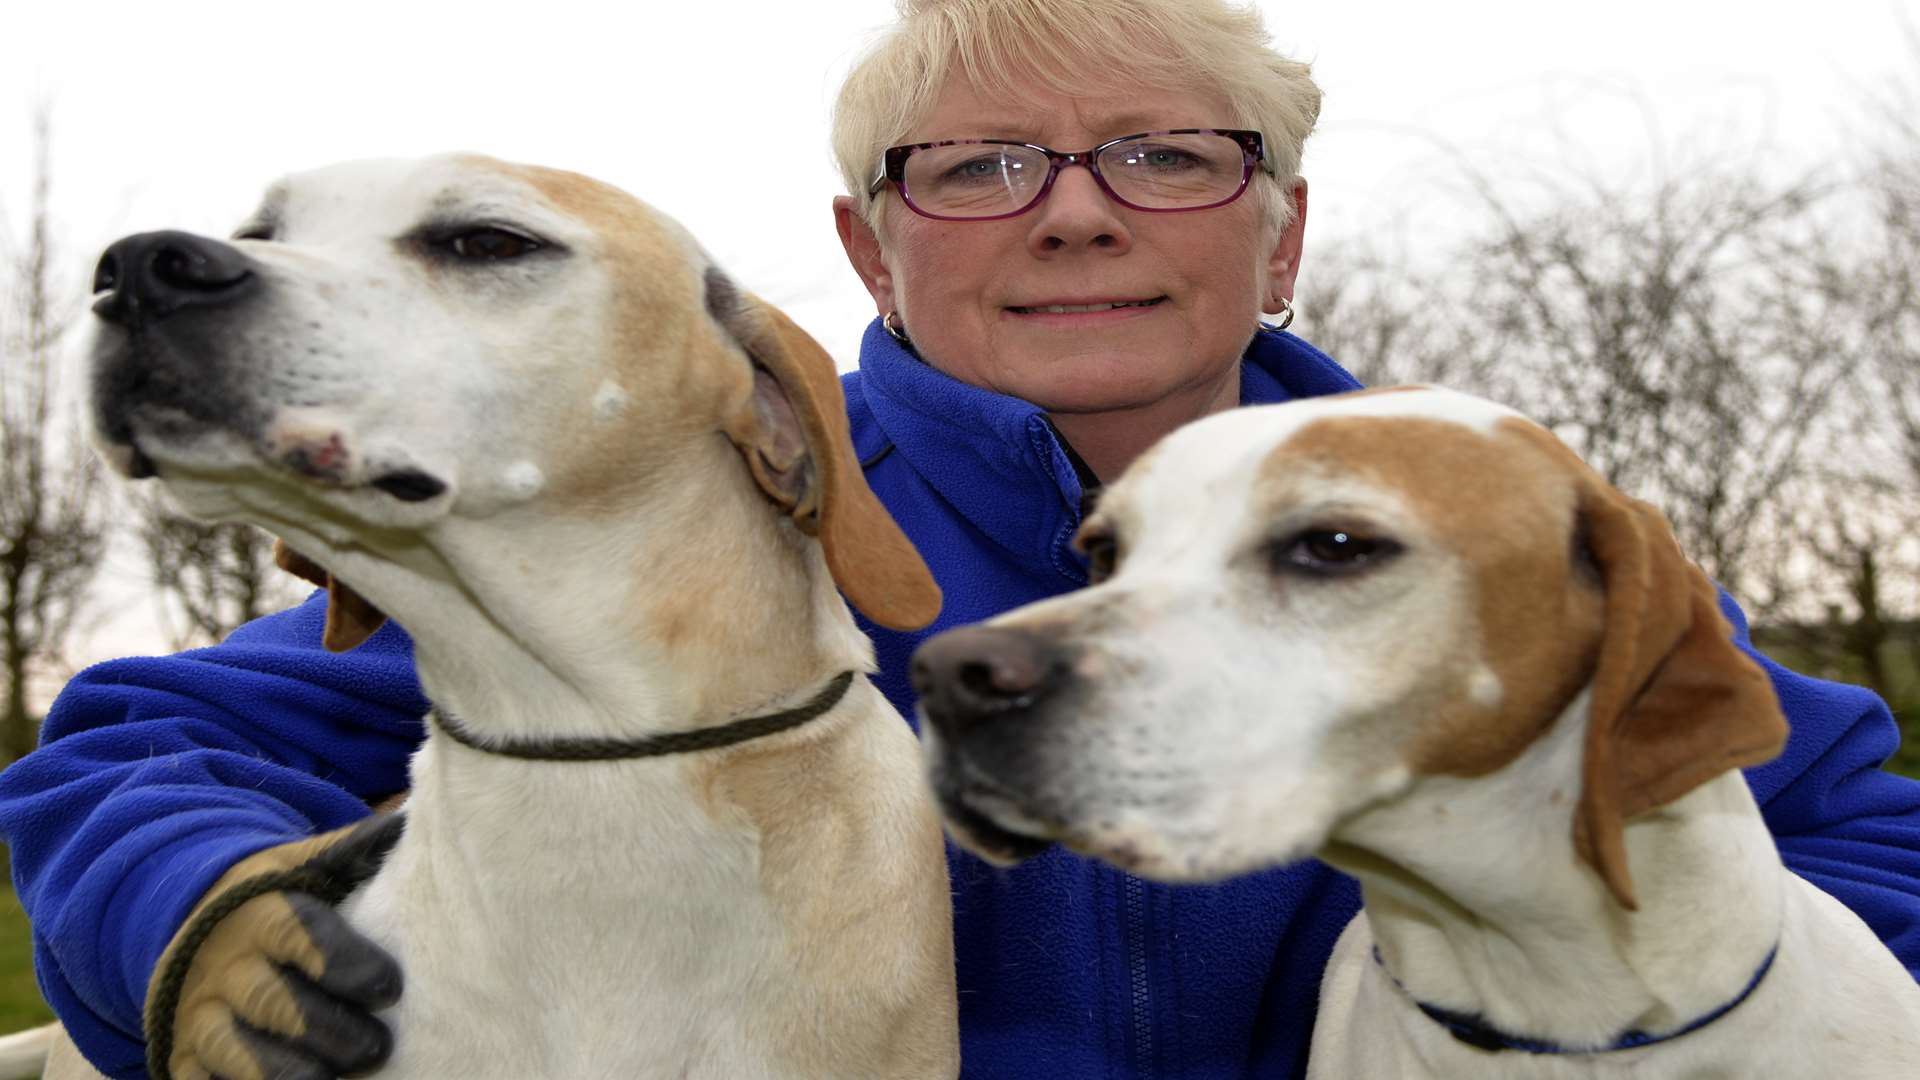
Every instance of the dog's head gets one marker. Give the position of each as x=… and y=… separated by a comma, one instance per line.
x=390, y=357
x=1299, y=611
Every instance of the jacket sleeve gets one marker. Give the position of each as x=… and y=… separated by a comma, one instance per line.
x=1840, y=820
x=156, y=774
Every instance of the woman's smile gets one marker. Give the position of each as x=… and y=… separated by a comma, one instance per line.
x=1082, y=312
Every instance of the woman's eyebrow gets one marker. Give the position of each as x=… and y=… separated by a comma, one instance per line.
x=996, y=128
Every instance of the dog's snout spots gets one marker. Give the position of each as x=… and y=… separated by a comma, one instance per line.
x=610, y=400
x=324, y=457
x=1485, y=688
x=522, y=480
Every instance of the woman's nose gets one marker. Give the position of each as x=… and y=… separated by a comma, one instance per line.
x=1078, y=214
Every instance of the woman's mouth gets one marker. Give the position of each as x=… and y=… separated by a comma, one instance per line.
x=1083, y=309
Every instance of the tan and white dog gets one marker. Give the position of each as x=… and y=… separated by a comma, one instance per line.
x=1411, y=633
x=611, y=498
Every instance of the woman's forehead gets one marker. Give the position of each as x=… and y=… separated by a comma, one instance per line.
x=965, y=110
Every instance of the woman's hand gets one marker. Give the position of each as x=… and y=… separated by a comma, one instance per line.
x=267, y=979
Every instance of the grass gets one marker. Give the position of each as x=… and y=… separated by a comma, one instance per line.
x=20, y=1004
x=1903, y=677
x=1906, y=760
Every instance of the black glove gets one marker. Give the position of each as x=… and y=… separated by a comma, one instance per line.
x=266, y=980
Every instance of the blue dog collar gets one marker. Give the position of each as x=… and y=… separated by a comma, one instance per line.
x=1472, y=1029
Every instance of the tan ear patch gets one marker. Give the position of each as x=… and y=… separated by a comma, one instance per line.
x=350, y=618
x=1674, y=702
x=871, y=560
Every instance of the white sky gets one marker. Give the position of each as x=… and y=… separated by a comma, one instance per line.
x=176, y=114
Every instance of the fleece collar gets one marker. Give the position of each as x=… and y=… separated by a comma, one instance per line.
x=997, y=460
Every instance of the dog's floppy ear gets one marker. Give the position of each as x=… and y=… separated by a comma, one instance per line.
x=1674, y=701
x=350, y=619
x=796, y=444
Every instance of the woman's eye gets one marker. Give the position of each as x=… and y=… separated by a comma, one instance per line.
x=491, y=244
x=1336, y=551
x=1161, y=158
x=976, y=169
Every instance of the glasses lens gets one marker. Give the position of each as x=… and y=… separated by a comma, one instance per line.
x=1166, y=172
x=973, y=179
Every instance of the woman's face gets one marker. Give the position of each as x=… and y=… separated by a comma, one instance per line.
x=972, y=294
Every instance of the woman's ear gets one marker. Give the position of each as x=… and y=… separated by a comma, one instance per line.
x=863, y=252
x=1283, y=263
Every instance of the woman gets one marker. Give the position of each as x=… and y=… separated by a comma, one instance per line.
x=986, y=417
x=1044, y=316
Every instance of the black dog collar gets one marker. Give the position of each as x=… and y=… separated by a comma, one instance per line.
x=678, y=742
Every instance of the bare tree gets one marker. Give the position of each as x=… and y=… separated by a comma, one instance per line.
x=52, y=525
x=1688, y=335
x=1388, y=321
x=1889, y=294
x=1845, y=539
x=1892, y=278
x=1669, y=334
x=211, y=578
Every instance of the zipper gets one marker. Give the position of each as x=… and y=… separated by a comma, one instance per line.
x=1132, y=889
x=1140, y=1032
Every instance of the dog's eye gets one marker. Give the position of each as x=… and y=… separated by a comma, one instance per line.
x=1335, y=551
x=1103, y=553
x=490, y=243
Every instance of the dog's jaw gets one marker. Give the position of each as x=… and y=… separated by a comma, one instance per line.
x=978, y=817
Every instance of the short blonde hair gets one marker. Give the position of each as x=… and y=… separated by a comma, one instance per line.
x=1074, y=47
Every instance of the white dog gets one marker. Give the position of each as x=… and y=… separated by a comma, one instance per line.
x=1412, y=634
x=510, y=406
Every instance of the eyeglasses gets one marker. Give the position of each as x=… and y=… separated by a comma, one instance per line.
x=985, y=179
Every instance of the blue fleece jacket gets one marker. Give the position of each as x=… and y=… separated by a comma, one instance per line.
x=159, y=773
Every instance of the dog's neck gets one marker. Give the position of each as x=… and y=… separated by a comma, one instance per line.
x=613, y=626
x=1480, y=906
x=578, y=638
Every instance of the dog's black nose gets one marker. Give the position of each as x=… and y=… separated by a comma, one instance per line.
x=154, y=275
x=977, y=673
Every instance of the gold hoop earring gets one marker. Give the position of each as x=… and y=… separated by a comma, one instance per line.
x=891, y=322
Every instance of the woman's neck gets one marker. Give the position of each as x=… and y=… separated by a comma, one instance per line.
x=1109, y=441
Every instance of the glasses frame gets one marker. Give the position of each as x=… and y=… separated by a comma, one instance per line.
x=893, y=167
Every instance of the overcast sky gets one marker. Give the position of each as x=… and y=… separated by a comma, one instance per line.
x=176, y=114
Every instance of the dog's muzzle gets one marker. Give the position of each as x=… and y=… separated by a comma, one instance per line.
x=170, y=299
x=973, y=676
x=981, y=689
